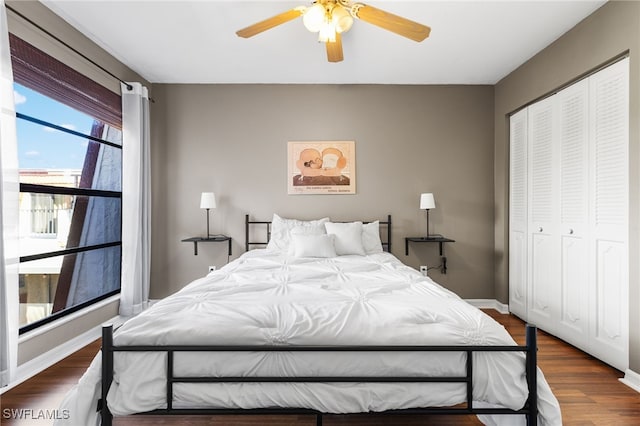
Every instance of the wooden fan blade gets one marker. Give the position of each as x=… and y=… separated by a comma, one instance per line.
x=393, y=23
x=334, y=49
x=269, y=23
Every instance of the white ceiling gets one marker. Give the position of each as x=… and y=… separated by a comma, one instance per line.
x=471, y=42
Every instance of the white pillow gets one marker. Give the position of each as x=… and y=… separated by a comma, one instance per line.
x=348, y=237
x=309, y=229
x=371, y=237
x=317, y=229
x=281, y=230
x=313, y=245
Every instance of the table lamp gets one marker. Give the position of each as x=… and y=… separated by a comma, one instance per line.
x=426, y=203
x=208, y=202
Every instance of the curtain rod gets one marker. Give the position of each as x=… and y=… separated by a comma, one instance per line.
x=129, y=86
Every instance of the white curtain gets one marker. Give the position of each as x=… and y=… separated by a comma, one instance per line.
x=9, y=193
x=136, y=200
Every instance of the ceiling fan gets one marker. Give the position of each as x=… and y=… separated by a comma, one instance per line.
x=331, y=18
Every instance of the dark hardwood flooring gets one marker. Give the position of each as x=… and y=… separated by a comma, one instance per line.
x=588, y=390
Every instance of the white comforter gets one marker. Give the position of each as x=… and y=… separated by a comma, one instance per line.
x=269, y=298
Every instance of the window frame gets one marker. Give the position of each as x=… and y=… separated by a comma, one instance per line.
x=77, y=95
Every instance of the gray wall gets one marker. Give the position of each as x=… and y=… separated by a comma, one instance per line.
x=232, y=140
x=610, y=31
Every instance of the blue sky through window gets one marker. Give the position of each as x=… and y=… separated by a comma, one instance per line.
x=40, y=147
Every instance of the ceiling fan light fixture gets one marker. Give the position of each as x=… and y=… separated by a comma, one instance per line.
x=327, y=33
x=314, y=17
x=342, y=19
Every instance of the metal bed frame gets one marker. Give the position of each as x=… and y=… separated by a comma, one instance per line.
x=530, y=409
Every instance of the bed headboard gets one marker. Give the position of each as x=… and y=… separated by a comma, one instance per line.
x=249, y=224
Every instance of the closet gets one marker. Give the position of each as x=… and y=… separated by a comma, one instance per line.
x=568, y=214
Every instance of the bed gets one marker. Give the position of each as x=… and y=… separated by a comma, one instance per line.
x=315, y=323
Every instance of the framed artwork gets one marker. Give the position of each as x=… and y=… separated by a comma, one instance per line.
x=323, y=167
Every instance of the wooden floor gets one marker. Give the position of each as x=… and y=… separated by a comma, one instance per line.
x=588, y=390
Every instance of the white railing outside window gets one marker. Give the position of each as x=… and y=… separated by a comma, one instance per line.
x=47, y=222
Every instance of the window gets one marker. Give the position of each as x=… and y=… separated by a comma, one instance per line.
x=70, y=160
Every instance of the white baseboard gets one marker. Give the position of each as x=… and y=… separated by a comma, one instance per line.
x=489, y=304
x=631, y=379
x=40, y=363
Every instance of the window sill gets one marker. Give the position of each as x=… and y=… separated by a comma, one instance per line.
x=67, y=318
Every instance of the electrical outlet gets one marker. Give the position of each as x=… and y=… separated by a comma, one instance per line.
x=424, y=270
x=212, y=268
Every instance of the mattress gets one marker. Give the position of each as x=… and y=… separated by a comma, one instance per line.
x=271, y=298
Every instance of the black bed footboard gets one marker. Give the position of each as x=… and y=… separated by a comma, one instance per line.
x=530, y=410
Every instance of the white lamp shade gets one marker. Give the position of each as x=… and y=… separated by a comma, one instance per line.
x=427, y=201
x=208, y=200
x=314, y=17
x=342, y=19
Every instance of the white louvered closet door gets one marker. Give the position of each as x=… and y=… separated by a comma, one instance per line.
x=609, y=99
x=573, y=139
x=543, y=277
x=518, y=221
x=572, y=191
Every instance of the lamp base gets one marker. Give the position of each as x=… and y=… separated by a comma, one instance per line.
x=427, y=222
x=208, y=234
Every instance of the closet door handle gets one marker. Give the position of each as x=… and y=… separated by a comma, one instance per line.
x=540, y=229
x=570, y=231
